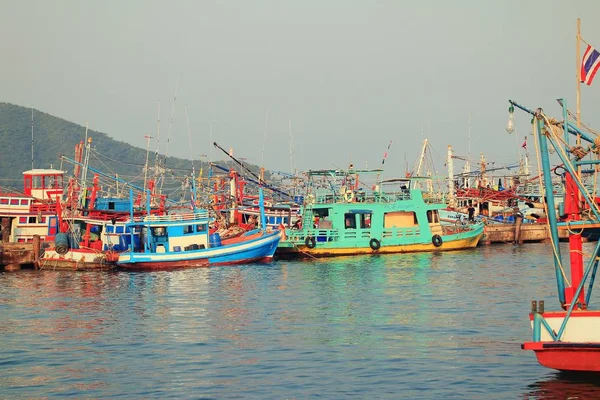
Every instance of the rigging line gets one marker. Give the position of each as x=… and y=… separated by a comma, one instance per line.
x=171, y=122
x=157, y=142
x=98, y=154
x=190, y=141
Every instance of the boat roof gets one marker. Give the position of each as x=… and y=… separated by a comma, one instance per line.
x=341, y=172
x=43, y=171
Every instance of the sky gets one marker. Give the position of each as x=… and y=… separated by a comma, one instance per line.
x=299, y=85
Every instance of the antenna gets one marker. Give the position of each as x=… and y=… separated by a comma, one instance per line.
x=157, y=143
x=32, y=136
x=190, y=140
x=147, y=137
x=291, y=147
x=171, y=120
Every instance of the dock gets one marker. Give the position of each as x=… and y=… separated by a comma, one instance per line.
x=519, y=233
x=14, y=256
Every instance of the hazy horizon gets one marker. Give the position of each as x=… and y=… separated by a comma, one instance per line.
x=347, y=76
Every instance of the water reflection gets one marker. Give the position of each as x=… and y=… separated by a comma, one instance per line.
x=562, y=385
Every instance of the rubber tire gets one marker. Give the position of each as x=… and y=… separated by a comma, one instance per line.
x=310, y=242
x=436, y=240
x=374, y=244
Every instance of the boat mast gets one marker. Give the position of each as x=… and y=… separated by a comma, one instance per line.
x=451, y=198
x=31, y=137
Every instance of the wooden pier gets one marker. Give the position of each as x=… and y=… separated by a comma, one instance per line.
x=14, y=256
x=519, y=233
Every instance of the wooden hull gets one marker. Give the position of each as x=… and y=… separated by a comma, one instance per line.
x=77, y=260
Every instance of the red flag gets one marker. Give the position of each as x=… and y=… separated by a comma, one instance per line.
x=524, y=145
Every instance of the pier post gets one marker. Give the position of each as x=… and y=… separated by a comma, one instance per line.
x=36, y=251
x=518, y=222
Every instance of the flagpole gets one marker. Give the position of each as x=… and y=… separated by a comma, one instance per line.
x=578, y=75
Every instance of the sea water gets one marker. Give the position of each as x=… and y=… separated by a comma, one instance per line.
x=430, y=325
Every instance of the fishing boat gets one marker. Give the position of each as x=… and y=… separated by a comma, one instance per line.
x=185, y=240
x=31, y=211
x=349, y=212
x=568, y=339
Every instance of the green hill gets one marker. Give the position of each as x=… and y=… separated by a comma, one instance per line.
x=54, y=137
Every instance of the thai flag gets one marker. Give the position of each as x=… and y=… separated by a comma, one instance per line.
x=589, y=65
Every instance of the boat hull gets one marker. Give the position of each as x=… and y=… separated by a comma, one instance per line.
x=77, y=260
x=579, y=347
x=293, y=249
x=252, y=249
x=567, y=357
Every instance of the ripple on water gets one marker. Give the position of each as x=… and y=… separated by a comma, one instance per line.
x=433, y=325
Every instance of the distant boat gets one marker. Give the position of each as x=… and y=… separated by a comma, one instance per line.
x=357, y=217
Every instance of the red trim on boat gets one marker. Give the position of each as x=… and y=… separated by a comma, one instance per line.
x=565, y=356
x=562, y=314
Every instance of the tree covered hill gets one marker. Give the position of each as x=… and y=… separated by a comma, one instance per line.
x=54, y=137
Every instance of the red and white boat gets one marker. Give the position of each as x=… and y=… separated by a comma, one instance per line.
x=32, y=211
x=568, y=339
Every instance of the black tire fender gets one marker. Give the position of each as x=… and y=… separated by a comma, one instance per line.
x=374, y=244
x=436, y=240
x=310, y=242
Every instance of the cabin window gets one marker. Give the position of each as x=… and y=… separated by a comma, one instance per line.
x=365, y=221
x=119, y=229
x=24, y=202
x=32, y=220
x=4, y=201
x=14, y=202
x=22, y=220
x=400, y=219
x=188, y=229
x=36, y=182
x=350, y=220
x=158, y=231
x=433, y=216
x=111, y=205
x=200, y=228
x=109, y=229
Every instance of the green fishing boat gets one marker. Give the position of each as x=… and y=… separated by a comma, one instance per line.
x=351, y=212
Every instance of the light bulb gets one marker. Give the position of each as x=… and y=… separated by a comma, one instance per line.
x=510, y=127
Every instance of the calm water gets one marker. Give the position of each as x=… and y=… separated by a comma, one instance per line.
x=446, y=325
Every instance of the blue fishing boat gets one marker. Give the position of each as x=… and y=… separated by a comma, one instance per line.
x=349, y=212
x=185, y=240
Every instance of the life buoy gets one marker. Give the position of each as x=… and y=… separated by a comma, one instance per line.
x=310, y=242
x=436, y=240
x=374, y=244
x=349, y=196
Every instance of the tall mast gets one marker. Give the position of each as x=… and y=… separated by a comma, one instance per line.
x=451, y=199
x=31, y=137
x=578, y=75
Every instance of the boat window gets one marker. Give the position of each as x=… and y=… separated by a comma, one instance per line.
x=158, y=231
x=400, y=219
x=188, y=229
x=365, y=221
x=433, y=216
x=350, y=221
x=200, y=228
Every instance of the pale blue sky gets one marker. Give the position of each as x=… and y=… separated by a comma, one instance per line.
x=350, y=75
